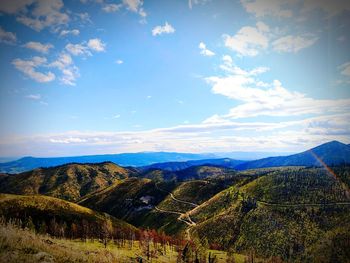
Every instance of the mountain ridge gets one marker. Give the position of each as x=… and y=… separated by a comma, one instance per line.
x=330, y=153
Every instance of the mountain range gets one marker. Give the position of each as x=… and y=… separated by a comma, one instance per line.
x=331, y=153
x=123, y=159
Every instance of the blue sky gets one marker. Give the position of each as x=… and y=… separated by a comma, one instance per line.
x=98, y=76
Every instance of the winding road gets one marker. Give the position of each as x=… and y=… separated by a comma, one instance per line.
x=183, y=217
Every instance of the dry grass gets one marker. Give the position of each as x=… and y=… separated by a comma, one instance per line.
x=22, y=245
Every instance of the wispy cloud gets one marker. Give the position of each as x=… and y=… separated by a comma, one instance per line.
x=288, y=8
x=249, y=41
x=29, y=68
x=73, y=32
x=34, y=96
x=111, y=8
x=7, y=37
x=85, y=48
x=345, y=69
x=266, y=99
x=293, y=43
x=39, y=47
x=135, y=6
x=69, y=71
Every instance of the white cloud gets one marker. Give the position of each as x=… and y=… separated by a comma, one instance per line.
x=84, y=48
x=267, y=99
x=227, y=60
x=69, y=71
x=166, y=29
x=7, y=37
x=204, y=137
x=119, y=61
x=249, y=40
x=37, y=46
x=78, y=49
x=45, y=13
x=135, y=6
x=261, y=8
x=34, y=96
x=110, y=8
x=96, y=44
x=293, y=43
x=73, y=32
x=64, y=60
x=205, y=51
x=28, y=67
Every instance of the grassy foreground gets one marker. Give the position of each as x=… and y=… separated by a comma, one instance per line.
x=23, y=245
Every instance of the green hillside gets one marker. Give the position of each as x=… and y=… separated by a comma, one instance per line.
x=290, y=213
x=69, y=182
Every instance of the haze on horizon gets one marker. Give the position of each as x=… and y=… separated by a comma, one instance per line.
x=98, y=76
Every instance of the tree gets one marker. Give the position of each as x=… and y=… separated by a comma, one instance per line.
x=42, y=228
x=230, y=257
x=29, y=224
x=106, y=231
x=186, y=254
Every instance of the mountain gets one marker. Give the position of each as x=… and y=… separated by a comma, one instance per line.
x=69, y=182
x=123, y=159
x=177, y=166
x=331, y=153
x=249, y=156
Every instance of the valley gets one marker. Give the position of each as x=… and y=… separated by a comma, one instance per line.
x=258, y=213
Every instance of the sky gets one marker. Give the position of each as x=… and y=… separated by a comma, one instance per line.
x=99, y=76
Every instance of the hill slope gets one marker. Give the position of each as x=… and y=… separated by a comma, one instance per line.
x=123, y=159
x=331, y=153
x=45, y=209
x=69, y=182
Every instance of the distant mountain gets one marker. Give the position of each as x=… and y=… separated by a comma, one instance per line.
x=69, y=182
x=249, y=156
x=200, y=172
x=177, y=166
x=123, y=159
x=331, y=153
